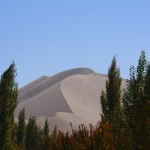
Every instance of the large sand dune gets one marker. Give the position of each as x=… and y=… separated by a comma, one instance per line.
x=70, y=96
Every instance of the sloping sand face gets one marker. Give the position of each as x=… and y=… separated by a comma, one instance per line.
x=82, y=93
x=46, y=103
x=70, y=96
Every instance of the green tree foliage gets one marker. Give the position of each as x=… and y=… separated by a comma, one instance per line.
x=113, y=87
x=121, y=128
x=136, y=104
x=46, y=136
x=46, y=129
x=111, y=99
x=147, y=83
x=21, y=128
x=33, y=135
x=8, y=103
x=112, y=109
x=103, y=99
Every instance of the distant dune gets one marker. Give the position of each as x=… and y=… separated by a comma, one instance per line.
x=70, y=96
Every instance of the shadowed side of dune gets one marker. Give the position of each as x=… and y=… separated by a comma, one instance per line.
x=46, y=103
x=44, y=82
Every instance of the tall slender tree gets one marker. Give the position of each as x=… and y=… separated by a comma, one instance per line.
x=111, y=99
x=46, y=136
x=8, y=103
x=33, y=135
x=111, y=104
x=113, y=86
x=46, y=129
x=21, y=128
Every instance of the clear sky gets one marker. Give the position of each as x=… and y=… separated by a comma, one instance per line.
x=45, y=37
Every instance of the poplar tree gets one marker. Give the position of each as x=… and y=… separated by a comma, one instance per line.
x=33, y=135
x=8, y=103
x=21, y=128
x=136, y=102
x=111, y=99
x=46, y=136
x=46, y=130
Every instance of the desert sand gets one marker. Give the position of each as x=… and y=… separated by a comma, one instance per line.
x=70, y=96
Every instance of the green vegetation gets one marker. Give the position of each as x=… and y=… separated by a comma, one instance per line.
x=111, y=105
x=111, y=100
x=124, y=124
x=21, y=129
x=8, y=103
x=136, y=104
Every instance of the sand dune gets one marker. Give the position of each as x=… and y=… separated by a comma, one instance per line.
x=70, y=96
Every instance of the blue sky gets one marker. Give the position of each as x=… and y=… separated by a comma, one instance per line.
x=49, y=36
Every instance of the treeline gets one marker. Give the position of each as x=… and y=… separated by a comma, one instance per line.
x=124, y=124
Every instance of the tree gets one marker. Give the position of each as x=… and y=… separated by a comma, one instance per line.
x=103, y=99
x=8, y=103
x=113, y=87
x=46, y=129
x=21, y=128
x=46, y=137
x=147, y=83
x=111, y=99
x=136, y=103
x=33, y=135
x=111, y=106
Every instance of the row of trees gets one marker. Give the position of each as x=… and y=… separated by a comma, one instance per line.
x=131, y=119
x=124, y=124
x=31, y=136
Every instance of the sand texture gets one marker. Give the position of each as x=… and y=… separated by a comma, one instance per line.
x=70, y=96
